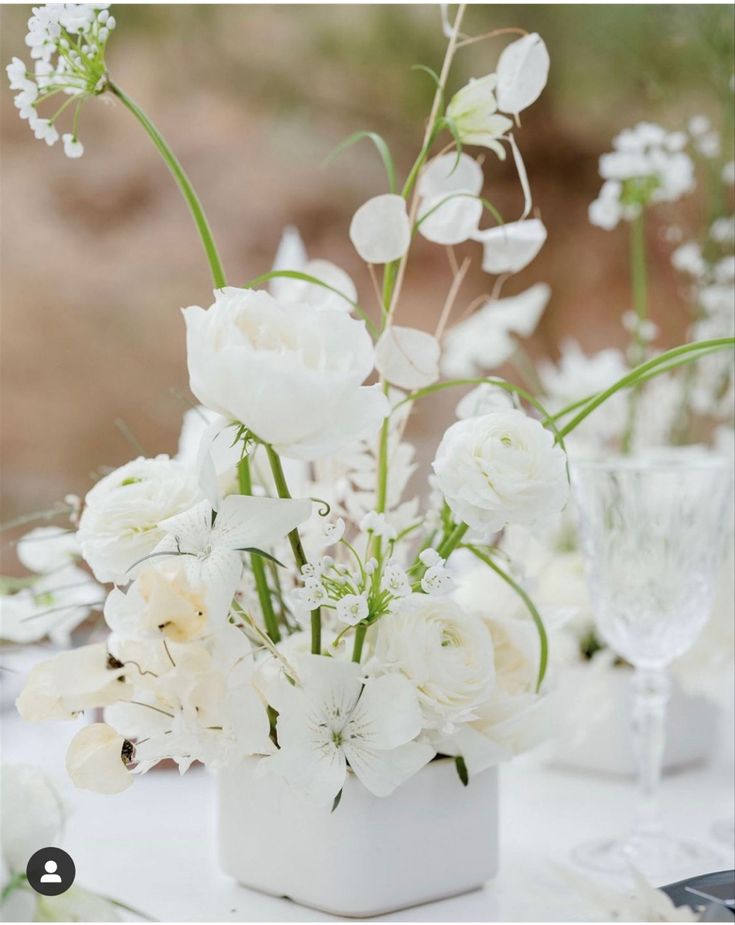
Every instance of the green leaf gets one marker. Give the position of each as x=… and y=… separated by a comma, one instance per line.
x=462, y=770
x=383, y=151
x=427, y=70
x=264, y=555
x=337, y=801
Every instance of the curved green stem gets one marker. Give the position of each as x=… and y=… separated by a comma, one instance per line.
x=261, y=582
x=192, y=200
x=639, y=284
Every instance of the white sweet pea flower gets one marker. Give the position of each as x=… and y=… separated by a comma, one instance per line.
x=334, y=719
x=509, y=248
x=292, y=374
x=352, y=608
x=499, y=469
x=291, y=255
x=46, y=549
x=97, y=759
x=121, y=517
x=212, y=546
x=71, y=682
x=380, y=229
x=484, y=340
x=483, y=399
x=407, y=358
x=523, y=69
x=450, y=210
x=474, y=111
x=446, y=654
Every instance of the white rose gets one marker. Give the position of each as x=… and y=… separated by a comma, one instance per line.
x=446, y=653
x=501, y=468
x=97, y=759
x=290, y=373
x=119, y=524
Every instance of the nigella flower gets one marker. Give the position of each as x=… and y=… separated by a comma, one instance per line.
x=67, y=43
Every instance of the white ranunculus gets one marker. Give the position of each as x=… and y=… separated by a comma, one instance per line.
x=32, y=813
x=483, y=399
x=121, y=517
x=71, y=682
x=444, y=651
x=474, y=111
x=407, y=358
x=97, y=759
x=509, y=248
x=523, y=69
x=292, y=374
x=499, y=469
x=47, y=549
x=380, y=229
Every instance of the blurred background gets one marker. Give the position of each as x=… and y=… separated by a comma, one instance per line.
x=99, y=254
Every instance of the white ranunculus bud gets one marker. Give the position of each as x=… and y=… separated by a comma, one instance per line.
x=523, y=69
x=71, y=682
x=119, y=524
x=380, y=229
x=499, y=469
x=407, y=358
x=97, y=759
x=509, y=248
x=445, y=652
x=474, y=111
x=292, y=374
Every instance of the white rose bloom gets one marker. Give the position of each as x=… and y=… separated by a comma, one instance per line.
x=32, y=813
x=290, y=373
x=446, y=653
x=47, y=549
x=474, y=111
x=97, y=759
x=71, y=682
x=121, y=517
x=381, y=229
x=501, y=468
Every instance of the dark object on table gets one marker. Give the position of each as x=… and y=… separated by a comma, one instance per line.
x=714, y=891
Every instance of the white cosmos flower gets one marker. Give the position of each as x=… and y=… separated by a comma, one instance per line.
x=484, y=340
x=407, y=358
x=97, y=759
x=212, y=546
x=444, y=651
x=523, y=69
x=72, y=682
x=499, y=469
x=352, y=608
x=450, y=210
x=380, y=229
x=121, y=517
x=46, y=549
x=291, y=255
x=509, y=248
x=335, y=718
x=292, y=374
x=474, y=111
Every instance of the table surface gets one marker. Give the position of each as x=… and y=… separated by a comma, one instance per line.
x=153, y=846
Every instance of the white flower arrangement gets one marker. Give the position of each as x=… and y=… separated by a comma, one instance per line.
x=233, y=632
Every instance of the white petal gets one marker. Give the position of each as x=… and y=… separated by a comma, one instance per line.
x=522, y=176
x=509, y=248
x=219, y=574
x=291, y=255
x=382, y=771
x=318, y=773
x=94, y=760
x=388, y=712
x=450, y=218
x=191, y=529
x=207, y=472
x=380, y=229
x=407, y=357
x=520, y=313
x=448, y=173
x=244, y=521
x=523, y=68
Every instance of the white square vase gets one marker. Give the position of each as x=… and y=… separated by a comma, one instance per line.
x=431, y=839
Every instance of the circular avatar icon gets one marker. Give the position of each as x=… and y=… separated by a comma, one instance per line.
x=50, y=871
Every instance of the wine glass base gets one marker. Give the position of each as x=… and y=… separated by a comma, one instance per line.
x=658, y=857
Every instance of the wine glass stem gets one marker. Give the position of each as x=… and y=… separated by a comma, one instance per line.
x=651, y=694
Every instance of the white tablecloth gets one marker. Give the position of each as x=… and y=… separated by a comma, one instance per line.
x=153, y=846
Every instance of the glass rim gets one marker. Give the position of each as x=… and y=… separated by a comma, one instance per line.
x=673, y=462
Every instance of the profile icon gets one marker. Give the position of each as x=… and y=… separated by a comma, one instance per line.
x=51, y=876
x=50, y=871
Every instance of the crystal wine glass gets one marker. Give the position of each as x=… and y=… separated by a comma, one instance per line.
x=653, y=531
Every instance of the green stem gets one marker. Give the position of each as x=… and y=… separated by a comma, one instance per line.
x=261, y=582
x=452, y=541
x=535, y=615
x=639, y=284
x=360, y=632
x=192, y=200
x=294, y=539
